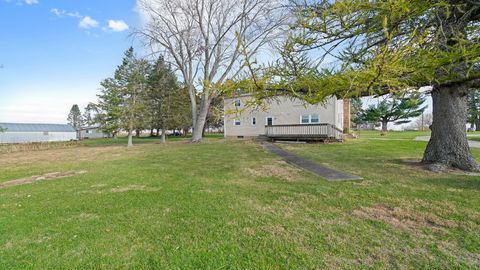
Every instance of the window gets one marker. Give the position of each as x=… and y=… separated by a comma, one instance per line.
x=269, y=121
x=305, y=119
x=237, y=103
x=236, y=122
x=254, y=121
x=45, y=133
x=310, y=119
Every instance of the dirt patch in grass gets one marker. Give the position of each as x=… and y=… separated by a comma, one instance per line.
x=67, y=155
x=279, y=169
x=402, y=218
x=45, y=177
x=133, y=187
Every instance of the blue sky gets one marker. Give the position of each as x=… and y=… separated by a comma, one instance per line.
x=54, y=53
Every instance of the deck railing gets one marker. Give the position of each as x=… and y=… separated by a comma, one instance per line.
x=304, y=131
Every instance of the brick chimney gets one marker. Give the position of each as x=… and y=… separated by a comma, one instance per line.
x=346, y=114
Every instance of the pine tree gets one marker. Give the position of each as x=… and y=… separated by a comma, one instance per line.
x=396, y=109
x=168, y=103
x=121, y=102
x=75, y=118
x=391, y=46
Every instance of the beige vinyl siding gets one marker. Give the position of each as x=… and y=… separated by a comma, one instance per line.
x=284, y=111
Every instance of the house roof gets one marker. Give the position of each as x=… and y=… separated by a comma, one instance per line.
x=18, y=127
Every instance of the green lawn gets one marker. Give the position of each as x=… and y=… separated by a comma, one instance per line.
x=231, y=205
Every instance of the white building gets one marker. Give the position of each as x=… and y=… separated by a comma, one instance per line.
x=285, y=117
x=91, y=133
x=32, y=133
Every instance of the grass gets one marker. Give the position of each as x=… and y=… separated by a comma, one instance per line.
x=141, y=140
x=232, y=205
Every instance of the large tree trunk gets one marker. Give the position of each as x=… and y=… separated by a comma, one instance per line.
x=477, y=124
x=193, y=103
x=164, y=135
x=130, y=138
x=448, y=146
x=201, y=120
x=384, y=126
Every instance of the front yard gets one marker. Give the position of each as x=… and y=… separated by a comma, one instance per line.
x=233, y=205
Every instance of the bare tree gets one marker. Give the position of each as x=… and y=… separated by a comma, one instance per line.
x=206, y=40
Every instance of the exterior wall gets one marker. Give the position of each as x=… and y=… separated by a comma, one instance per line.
x=284, y=111
x=93, y=134
x=31, y=137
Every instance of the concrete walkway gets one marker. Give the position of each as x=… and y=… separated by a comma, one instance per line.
x=313, y=167
x=472, y=144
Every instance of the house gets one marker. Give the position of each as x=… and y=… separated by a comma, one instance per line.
x=286, y=118
x=32, y=133
x=91, y=133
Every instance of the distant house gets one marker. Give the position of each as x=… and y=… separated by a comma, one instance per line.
x=91, y=133
x=31, y=133
x=286, y=118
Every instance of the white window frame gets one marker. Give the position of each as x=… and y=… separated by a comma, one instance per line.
x=301, y=118
x=266, y=120
x=318, y=117
x=309, y=118
x=254, y=121
x=237, y=120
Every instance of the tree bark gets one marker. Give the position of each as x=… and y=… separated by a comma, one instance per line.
x=384, y=126
x=137, y=133
x=448, y=145
x=201, y=120
x=164, y=135
x=193, y=103
x=477, y=124
x=158, y=132
x=151, y=132
x=130, y=138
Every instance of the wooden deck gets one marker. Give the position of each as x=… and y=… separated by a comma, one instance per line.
x=304, y=132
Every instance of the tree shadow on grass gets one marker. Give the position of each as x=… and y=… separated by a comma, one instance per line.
x=452, y=179
x=456, y=182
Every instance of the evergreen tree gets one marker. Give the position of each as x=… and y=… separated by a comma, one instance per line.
x=121, y=102
x=90, y=114
x=168, y=103
x=391, y=46
x=397, y=109
x=356, y=112
x=75, y=117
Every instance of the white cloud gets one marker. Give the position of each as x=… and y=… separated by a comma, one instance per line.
x=117, y=26
x=62, y=13
x=88, y=22
x=31, y=2
x=74, y=14
x=58, y=12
